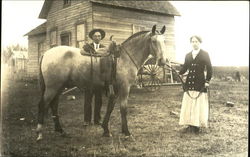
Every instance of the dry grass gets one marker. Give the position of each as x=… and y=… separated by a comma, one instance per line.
x=155, y=130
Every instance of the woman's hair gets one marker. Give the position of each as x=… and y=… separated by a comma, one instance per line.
x=197, y=37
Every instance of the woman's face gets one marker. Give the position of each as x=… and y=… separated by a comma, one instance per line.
x=195, y=43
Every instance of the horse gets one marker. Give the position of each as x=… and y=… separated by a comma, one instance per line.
x=63, y=64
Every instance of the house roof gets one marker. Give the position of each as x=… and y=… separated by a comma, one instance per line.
x=45, y=9
x=38, y=30
x=163, y=7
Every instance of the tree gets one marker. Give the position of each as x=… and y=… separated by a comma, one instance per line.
x=6, y=54
x=8, y=51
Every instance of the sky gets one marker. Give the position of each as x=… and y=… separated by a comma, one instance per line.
x=223, y=26
x=18, y=18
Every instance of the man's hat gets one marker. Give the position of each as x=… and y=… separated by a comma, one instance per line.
x=92, y=32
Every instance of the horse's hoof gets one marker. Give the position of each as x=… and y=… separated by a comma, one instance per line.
x=130, y=137
x=58, y=130
x=39, y=138
x=126, y=133
x=64, y=134
x=107, y=135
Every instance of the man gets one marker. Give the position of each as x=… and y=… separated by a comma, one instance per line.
x=238, y=78
x=96, y=35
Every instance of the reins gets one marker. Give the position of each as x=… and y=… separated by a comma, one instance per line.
x=91, y=72
x=208, y=93
x=183, y=84
x=121, y=47
x=196, y=96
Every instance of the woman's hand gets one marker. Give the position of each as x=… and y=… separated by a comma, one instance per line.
x=206, y=85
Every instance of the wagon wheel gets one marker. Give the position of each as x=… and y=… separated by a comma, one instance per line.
x=151, y=77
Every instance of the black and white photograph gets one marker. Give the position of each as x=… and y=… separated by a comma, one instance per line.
x=124, y=78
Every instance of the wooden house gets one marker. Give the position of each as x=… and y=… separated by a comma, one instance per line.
x=69, y=21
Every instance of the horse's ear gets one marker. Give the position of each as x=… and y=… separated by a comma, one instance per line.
x=163, y=29
x=111, y=38
x=153, y=29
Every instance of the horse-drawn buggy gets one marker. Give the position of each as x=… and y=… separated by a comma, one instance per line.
x=151, y=76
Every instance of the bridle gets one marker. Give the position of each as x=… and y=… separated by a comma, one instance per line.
x=130, y=57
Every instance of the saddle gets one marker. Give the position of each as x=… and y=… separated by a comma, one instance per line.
x=88, y=50
x=108, y=62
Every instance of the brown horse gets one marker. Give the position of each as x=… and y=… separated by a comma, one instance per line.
x=64, y=64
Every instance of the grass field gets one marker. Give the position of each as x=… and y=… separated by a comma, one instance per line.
x=151, y=120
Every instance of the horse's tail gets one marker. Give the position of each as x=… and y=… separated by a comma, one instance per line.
x=41, y=102
x=40, y=77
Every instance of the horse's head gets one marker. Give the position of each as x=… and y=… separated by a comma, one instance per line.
x=157, y=45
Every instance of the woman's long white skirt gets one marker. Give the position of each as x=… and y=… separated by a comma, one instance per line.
x=194, y=111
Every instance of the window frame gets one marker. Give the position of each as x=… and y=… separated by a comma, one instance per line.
x=85, y=34
x=66, y=33
x=66, y=3
x=40, y=49
x=50, y=39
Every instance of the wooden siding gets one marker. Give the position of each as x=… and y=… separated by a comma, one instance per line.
x=119, y=22
x=65, y=19
x=62, y=20
x=32, y=68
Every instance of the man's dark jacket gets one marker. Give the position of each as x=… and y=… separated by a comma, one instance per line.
x=90, y=47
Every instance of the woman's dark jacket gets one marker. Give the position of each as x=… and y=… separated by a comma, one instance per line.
x=196, y=78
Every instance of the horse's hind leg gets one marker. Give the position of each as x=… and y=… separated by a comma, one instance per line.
x=55, y=116
x=40, y=118
x=46, y=99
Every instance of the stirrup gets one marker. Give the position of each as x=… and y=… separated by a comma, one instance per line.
x=111, y=90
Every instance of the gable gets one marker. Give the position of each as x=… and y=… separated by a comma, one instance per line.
x=38, y=30
x=162, y=7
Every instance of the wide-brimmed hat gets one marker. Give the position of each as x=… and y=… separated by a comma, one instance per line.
x=92, y=32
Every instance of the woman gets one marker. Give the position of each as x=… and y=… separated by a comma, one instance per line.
x=194, y=109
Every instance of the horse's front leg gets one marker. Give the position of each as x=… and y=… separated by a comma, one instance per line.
x=109, y=110
x=123, y=110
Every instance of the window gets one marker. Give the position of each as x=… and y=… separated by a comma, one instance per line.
x=66, y=38
x=41, y=50
x=80, y=35
x=53, y=38
x=66, y=3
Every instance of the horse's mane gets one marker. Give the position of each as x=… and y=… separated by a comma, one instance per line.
x=135, y=35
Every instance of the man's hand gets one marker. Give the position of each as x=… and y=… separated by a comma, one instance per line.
x=88, y=48
x=206, y=85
